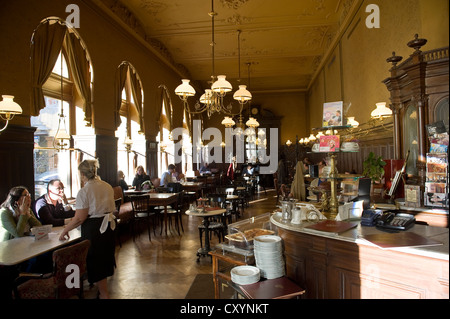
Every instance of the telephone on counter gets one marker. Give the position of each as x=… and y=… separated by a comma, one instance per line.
x=390, y=220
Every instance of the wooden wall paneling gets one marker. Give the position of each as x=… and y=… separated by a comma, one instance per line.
x=348, y=162
x=152, y=158
x=16, y=159
x=106, y=152
x=339, y=269
x=419, y=80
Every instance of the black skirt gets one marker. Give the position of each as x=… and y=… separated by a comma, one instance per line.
x=100, y=260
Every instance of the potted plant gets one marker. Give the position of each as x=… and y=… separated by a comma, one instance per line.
x=373, y=168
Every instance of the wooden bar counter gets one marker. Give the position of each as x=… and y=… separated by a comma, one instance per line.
x=347, y=266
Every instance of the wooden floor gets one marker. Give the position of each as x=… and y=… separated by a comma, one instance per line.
x=166, y=267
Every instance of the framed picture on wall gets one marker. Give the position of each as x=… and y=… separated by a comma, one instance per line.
x=412, y=196
x=329, y=143
x=332, y=114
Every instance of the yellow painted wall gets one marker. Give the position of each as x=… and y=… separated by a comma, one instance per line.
x=363, y=54
x=291, y=107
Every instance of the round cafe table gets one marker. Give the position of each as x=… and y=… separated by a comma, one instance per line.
x=209, y=212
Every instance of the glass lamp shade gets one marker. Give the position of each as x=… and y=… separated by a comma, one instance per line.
x=206, y=97
x=319, y=135
x=228, y=121
x=252, y=122
x=242, y=95
x=312, y=137
x=381, y=111
x=8, y=107
x=221, y=86
x=288, y=142
x=62, y=134
x=185, y=89
x=351, y=121
x=127, y=141
x=240, y=127
x=239, y=131
x=250, y=131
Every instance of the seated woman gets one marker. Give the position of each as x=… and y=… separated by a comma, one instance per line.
x=52, y=208
x=121, y=180
x=16, y=220
x=140, y=177
x=16, y=216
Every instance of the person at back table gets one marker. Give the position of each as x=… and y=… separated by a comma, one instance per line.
x=166, y=177
x=121, y=180
x=53, y=208
x=140, y=177
x=205, y=169
x=16, y=216
x=249, y=170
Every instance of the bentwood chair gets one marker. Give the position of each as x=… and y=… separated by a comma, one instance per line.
x=142, y=211
x=217, y=225
x=176, y=212
x=54, y=285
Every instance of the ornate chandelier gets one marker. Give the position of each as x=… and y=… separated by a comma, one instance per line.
x=212, y=100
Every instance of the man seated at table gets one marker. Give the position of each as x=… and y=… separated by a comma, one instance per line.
x=166, y=177
x=205, y=169
x=249, y=170
x=53, y=207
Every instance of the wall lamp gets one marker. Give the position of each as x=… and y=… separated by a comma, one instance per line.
x=8, y=108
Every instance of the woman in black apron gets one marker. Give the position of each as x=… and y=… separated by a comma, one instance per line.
x=94, y=212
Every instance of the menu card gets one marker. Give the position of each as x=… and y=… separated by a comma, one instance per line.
x=41, y=232
x=278, y=288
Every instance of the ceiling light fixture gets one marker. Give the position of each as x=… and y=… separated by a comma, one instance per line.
x=352, y=122
x=381, y=111
x=212, y=100
x=61, y=135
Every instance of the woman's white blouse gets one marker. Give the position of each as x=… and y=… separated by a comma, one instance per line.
x=98, y=197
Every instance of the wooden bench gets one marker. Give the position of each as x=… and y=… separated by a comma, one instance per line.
x=125, y=212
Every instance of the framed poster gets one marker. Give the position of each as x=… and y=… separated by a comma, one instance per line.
x=332, y=114
x=412, y=196
x=329, y=143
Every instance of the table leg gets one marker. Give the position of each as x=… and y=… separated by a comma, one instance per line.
x=215, y=269
x=204, y=251
x=165, y=219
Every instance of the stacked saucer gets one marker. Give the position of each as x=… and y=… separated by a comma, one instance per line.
x=245, y=275
x=269, y=256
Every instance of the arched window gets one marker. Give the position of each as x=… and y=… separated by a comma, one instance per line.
x=131, y=140
x=166, y=147
x=186, y=159
x=62, y=80
x=441, y=111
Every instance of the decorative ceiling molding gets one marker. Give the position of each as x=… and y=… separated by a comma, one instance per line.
x=233, y=4
x=237, y=19
x=153, y=7
x=289, y=38
x=127, y=17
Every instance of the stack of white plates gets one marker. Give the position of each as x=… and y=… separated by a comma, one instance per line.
x=269, y=256
x=245, y=275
